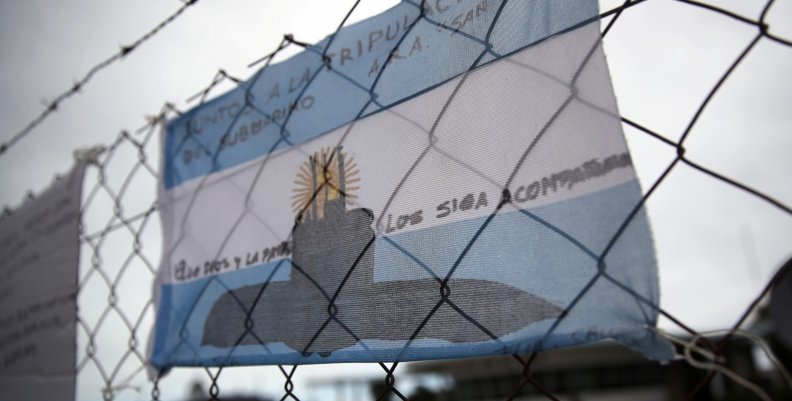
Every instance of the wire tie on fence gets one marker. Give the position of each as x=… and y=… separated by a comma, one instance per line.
x=51, y=106
x=89, y=155
x=687, y=345
x=151, y=121
x=764, y=28
x=126, y=49
x=680, y=150
x=713, y=363
x=290, y=38
x=761, y=343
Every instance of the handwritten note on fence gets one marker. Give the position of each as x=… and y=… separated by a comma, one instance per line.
x=39, y=257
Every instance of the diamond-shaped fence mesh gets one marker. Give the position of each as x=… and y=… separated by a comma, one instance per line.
x=121, y=234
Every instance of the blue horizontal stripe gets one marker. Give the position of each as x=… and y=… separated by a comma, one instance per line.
x=251, y=120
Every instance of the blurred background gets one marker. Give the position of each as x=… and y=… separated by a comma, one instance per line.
x=717, y=245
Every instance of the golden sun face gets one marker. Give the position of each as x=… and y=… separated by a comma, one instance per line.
x=327, y=175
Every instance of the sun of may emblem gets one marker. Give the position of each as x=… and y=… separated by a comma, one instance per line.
x=327, y=177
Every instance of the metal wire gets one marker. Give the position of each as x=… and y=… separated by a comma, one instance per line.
x=78, y=86
x=130, y=221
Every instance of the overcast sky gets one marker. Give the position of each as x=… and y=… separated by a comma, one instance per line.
x=716, y=245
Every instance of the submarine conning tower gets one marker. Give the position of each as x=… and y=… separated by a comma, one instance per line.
x=329, y=240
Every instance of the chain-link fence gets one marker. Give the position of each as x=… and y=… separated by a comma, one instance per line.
x=121, y=235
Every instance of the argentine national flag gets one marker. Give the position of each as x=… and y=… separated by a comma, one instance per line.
x=438, y=181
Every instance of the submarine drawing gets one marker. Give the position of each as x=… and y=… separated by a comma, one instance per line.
x=333, y=259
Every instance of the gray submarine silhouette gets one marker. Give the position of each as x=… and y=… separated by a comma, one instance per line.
x=331, y=300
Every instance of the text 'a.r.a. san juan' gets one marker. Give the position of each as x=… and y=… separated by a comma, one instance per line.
x=440, y=13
